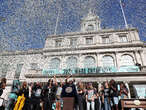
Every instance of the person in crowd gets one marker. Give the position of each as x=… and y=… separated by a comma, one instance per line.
x=53, y=89
x=12, y=98
x=97, y=102
x=2, y=87
x=46, y=96
x=123, y=91
x=69, y=90
x=139, y=65
x=107, y=100
x=59, y=100
x=114, y=95
x=23, y=97
x=25, y=90
x=81, y=96
x=36, y=96
x=90, y=97
x=101, y=97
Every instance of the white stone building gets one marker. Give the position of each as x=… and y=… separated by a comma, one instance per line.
x=90, y=47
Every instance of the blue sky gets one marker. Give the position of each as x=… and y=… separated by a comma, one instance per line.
x=24, y=24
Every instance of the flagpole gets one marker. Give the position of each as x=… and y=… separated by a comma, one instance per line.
x=57, y=20
x=126, y=25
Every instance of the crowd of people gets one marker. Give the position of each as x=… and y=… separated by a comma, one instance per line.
x=51, y=96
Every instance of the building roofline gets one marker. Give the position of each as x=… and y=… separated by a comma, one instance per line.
x=23, y=52
x=93, y=32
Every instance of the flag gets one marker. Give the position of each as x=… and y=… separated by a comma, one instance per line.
x=122, y=3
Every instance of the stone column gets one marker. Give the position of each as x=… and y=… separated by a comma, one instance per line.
x=141, y=57
x=115, y=38
x=99, y=60
x=63, y=62
x=80, y=62
x=96, y=60
x=130, y=36
x=137, y=36
x=136, y=56
x=127, y=85
x=117, y=59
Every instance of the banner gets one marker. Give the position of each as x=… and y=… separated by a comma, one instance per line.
x=91, y=70
x=129, y=69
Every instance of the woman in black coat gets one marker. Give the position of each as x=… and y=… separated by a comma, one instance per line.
x=25, y=90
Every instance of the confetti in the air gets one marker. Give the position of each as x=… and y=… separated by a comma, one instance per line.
x=24, y=24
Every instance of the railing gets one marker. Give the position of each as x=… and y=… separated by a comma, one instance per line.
x=119, y=27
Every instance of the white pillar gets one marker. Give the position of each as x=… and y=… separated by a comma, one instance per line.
x=136, y=57
x=81, y=60
x=99, y=60
x=141, y=57
x=117, y=59
x=63, y=62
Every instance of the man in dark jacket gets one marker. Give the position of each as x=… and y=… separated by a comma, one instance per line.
x=2, y=85
x=69, y=91
x=46, y=96
x=36, y=96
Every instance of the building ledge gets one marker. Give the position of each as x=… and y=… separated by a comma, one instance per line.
x=119, y=74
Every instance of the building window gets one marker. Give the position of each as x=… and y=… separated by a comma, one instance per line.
x=108, y=61
x=89, y=40
x=105, y=40
x=71, y=63
x=18, y=71
x=127, y=60
x=90, y=28
x=123, y=38
x=34, y=66
x=73, y=42
x=58, y=43
x=89, y=62
x=54, y=63
x=5, y=68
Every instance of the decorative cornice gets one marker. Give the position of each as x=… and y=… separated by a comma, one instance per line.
x=92, y=32
x=100, y=46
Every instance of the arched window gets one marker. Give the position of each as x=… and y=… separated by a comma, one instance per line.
x=89, y=62
x=71, y=62
x=55, y=63
x=127, y=60
x=108, y=61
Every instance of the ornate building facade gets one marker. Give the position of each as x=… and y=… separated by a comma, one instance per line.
x=92, y=54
